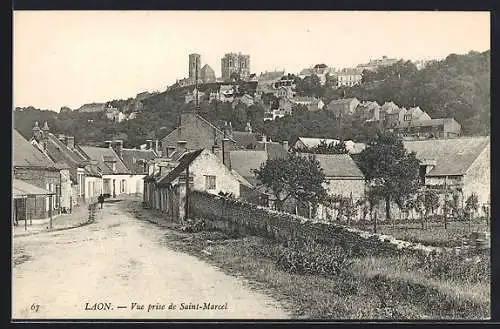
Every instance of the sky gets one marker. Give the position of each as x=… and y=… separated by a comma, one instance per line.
x=69, y=58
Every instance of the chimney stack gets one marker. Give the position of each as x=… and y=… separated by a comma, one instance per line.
x=181, y=146
x=285, y=145
x=45, y=135
x=37, y=133
x=108, y=144
x=217, y=151
x=149, y=143
x=70, y=142
x=157, y=146
x=119, y=147
x=226, y=149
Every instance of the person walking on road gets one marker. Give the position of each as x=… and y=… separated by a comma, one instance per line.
x=100, y=199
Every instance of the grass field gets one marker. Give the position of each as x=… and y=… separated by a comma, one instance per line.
x=434, y=235
x=369, y=288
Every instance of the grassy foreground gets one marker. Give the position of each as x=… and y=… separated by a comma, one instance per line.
x=368, y=288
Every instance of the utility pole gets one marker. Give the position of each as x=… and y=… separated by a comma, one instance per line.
x=196, y=87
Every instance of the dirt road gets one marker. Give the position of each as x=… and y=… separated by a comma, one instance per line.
x=110, y=268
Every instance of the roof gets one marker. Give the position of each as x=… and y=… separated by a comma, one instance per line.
x=427, y=123
x=349, y=71
x=271, y=75
x=245, y=161
x=309, y=99
x=184, y=162
x=21, y=188
x=100, y=154
x=26, y=155
x=337, y=165
x=130, y=157
x=453, y=156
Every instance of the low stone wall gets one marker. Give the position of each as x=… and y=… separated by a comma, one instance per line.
x=236, y=216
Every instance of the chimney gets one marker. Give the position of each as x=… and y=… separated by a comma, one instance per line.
x=37, y=133
x=226, y=149
x=149, y=143
x=45, y=135
x=62, y=138
x=119, y=147
x=181, y=146
x=70, y=142
x=285, y=145
x=157, y=146
x=108, y=144
x=217, y=151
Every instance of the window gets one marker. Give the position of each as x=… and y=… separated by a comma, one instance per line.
x=407, y=117
x=57, y=197
x=209, y=182
x=123, y=185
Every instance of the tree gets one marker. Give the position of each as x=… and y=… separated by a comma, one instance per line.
x=471, y=207
x=389, y=168
x=324, y=148
x=298, y=177
x=431, y=201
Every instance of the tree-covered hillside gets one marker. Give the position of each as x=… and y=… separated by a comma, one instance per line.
x=458, y=87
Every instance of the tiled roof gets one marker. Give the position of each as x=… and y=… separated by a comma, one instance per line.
x=245, y=161
x=130, y=157
x=100, y=154
x=184, y=162
x=453, y=156
x=337, y=165
x=26, y=155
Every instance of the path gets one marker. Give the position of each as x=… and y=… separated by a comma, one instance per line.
x=120, y=260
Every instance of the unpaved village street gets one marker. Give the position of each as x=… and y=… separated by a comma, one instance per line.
x=121, y=260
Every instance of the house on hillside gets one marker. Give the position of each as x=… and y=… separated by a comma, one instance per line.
x=426, y=129
x=33, y=167
x=391, y=114
x=114, y=114
x=84, y=183
x=344, y=106
x=461, y=164
x=348, y=77
x=369, y=111
x=312, y=103
x=202, y=171
x=116, y=178
x=310, y=142
x=191, y=96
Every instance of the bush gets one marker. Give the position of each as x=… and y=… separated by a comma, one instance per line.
x=463, y=267
x=309, y=257
x=194, y=225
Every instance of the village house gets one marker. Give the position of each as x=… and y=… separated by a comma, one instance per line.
x=198, y=133
x=245, y=99
x=432, y=128
x=137, y=162
x=461, y=164
x=115, y=115
x=344, y=106
x=312, y=103
x=33, y=167
x=391, y=114
x=348, y=77
x=343, y=179
x=369, y=111
x=320, y=70
x=202, y=171
x=84, y=183
x=116, y=178
x=302, y=143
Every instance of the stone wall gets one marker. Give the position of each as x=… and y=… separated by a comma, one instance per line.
x=235, y=216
